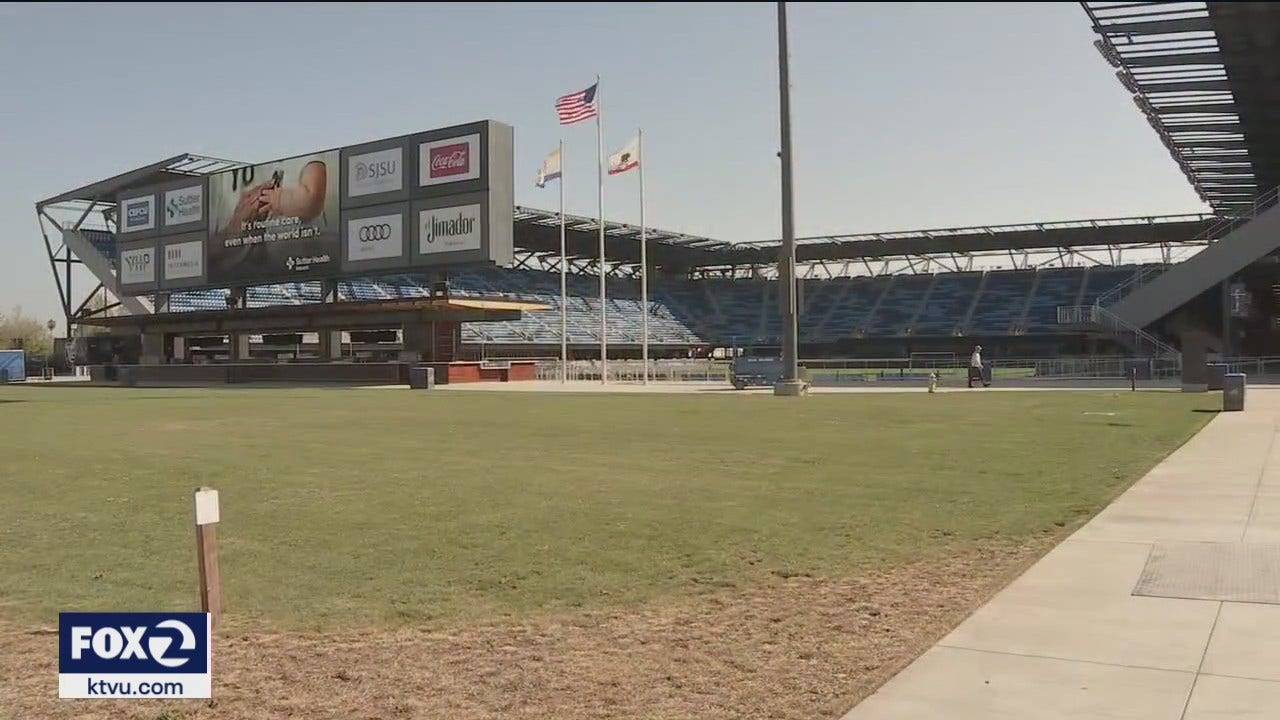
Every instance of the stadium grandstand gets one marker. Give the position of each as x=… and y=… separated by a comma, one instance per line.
x=1177, y=286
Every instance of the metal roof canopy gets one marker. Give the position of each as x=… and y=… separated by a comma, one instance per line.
x=176, y=167
x=1066, y=234
x=1207, y=77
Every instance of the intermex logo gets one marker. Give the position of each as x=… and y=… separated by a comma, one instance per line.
x=184, y=260
x=134, y=655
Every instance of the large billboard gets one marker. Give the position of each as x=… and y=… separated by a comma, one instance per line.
x=271, y=221
x=437, y=198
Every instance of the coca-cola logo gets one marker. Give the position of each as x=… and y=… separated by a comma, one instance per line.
x=449, y=160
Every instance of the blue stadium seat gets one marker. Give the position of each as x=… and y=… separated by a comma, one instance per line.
x=733, y=312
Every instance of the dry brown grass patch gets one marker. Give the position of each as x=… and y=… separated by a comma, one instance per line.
x=789, y=648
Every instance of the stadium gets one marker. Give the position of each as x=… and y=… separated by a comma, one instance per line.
x=397, y=547
x=1166, y=289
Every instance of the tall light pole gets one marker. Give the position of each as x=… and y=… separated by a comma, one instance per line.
x=790, y=383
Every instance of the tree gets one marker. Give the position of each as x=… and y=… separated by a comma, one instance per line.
x=20, y=332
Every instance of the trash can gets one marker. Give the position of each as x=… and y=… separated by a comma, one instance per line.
x=1233, y=392
x=1216, y=372
x=126, y=377
x=422, y=378
x=4, y=375
x=986, y=375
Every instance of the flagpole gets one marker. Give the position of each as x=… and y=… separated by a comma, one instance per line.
x=644, y=265
x=604, y=323
x=564, y=289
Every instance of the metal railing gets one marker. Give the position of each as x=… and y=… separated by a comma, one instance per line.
x=1229, y=223
x=1130, y=284
x=1142, y=342
x=858, y=371
x=1223, y=227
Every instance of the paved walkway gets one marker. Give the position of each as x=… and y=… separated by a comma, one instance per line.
x=1070, y=639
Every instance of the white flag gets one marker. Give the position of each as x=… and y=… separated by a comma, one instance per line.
x=550, y=169
x=627, y=158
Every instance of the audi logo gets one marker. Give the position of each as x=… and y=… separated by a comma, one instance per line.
x=372, y=233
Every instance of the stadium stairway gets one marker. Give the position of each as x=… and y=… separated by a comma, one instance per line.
x=1236, y=242
x=98, y=251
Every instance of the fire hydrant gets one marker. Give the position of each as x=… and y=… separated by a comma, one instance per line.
x=933, y=382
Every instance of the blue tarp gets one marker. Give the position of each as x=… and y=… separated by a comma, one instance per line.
x=13, y=366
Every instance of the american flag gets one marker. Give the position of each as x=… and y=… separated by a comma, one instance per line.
x=577, y=107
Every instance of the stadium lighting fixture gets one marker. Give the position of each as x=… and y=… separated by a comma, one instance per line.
x=1127, y=80
x=1108, y=53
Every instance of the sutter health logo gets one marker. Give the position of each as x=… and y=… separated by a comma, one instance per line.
x=134, y=655
x=375, y=172
x=183, y=206
x=449, y=229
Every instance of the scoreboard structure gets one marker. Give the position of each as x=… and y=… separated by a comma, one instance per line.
x=432, y=199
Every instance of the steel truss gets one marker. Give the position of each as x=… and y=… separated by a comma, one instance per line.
x=92, y=209
x=1206, y=103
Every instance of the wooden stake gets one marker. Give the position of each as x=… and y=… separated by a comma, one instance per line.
x=207, y=517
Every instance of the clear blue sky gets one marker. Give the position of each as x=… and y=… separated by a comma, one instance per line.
x=905, y=115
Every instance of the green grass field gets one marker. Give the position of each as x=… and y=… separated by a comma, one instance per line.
x=351, y=507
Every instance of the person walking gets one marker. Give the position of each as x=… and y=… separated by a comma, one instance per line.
x=975, y=365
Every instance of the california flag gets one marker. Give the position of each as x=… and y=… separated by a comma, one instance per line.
x=550, y=169
x=626, y=158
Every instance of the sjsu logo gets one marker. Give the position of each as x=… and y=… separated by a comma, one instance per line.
x=133, y=643
x=375, y=170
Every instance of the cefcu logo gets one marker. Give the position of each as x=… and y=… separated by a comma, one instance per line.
x=139, y=214
x=134, y=655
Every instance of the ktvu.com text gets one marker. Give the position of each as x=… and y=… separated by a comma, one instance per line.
x=134, y=655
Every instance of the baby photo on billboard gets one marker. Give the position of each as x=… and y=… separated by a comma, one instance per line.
x=274, y=219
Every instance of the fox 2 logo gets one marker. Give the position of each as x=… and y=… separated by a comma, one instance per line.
x=142, y=643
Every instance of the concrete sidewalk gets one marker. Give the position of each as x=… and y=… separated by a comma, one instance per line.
x=1072, y=638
